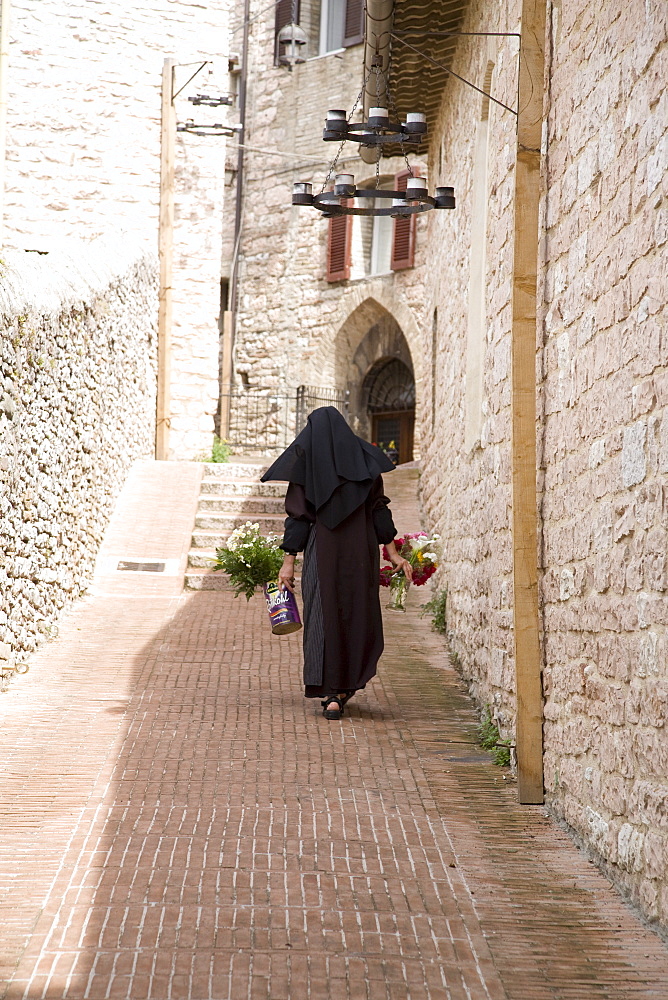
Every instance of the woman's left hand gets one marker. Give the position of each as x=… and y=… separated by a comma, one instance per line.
x=286, y=574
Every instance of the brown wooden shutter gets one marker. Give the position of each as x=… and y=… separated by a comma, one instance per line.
x=403, y=237
x=353, y=28
x=286, y=12
x=339, y=244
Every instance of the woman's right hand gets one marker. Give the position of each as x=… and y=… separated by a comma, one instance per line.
x=400, y=564
x=286, y=574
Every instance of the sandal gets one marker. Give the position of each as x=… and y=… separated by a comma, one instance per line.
x=332, y=713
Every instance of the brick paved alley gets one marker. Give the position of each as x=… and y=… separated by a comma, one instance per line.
x=178, y=822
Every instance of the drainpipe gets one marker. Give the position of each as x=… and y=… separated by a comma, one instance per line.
x=4, y=60
x=243, y=83
x=378, y=22
x=229, y=316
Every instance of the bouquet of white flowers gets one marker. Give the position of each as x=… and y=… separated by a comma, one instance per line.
x=250, y=559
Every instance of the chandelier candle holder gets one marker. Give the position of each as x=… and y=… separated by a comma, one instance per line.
x=379, y=130
x=212, y=131
x=413, y=200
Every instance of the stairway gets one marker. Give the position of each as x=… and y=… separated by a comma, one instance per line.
x=230, y=495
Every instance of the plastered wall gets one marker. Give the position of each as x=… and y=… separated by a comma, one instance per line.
x=83, y=158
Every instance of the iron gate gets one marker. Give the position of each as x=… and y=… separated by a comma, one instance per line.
x=310, y=397
x=253, y=421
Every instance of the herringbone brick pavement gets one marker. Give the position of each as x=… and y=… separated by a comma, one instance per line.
x=178, y=822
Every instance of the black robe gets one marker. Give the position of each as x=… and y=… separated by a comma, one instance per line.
x=343, y=628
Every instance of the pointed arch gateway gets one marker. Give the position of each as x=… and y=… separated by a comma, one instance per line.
x=375, y=365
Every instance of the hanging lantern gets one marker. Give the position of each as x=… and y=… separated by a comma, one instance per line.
x=292, y=41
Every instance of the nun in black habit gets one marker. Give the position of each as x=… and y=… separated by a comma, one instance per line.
x=338, y=516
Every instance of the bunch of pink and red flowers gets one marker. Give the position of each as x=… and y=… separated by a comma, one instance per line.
x=421, y=551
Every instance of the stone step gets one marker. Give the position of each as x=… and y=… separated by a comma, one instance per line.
x=230, y=494
x=202, y=579
x=224, y=523
x=237, y=488
x=208, y=539
x=235, y=470
x=201, y=558
x=248, y=505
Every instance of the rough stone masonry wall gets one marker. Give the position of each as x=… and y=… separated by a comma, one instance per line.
x=77, y=407
x=605, y=440
x=466, y=489
x=83, y=158
x=603, y=424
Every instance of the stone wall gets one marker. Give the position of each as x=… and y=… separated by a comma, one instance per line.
x=605, y=437
x=602, y=425
x=466, y=481
x=83, y=158
x=77, y=407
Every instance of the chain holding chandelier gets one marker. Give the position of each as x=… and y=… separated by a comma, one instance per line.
x=379, y=130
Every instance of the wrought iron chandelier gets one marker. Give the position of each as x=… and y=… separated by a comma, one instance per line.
x=379, y=130
x=212, y=129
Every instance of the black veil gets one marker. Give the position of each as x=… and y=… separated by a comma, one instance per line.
x=335, y=467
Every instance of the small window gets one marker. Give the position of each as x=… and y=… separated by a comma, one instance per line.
x=341, y=24
x=372, y=235
x=381, y=244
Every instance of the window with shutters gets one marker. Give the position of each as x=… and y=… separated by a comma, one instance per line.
x=376, y=232
x=403, y=236
x=341, y=24
x=339, y=243
x=353, y=25
x=287, y=12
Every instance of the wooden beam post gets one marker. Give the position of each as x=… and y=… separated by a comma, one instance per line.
x=165, y=255
x=529, y=711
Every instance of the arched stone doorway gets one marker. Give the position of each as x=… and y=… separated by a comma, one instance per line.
x=369, y=337
x=381, y=382
x=389, y=393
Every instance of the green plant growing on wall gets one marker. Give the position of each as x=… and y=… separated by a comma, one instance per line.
x=220, y=451
x=489, y=738
x=436, y=609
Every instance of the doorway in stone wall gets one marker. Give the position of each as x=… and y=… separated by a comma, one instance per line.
x=389, y=388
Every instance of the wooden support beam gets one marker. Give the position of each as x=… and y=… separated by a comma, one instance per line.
x=529, y=711
x=165, y=255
